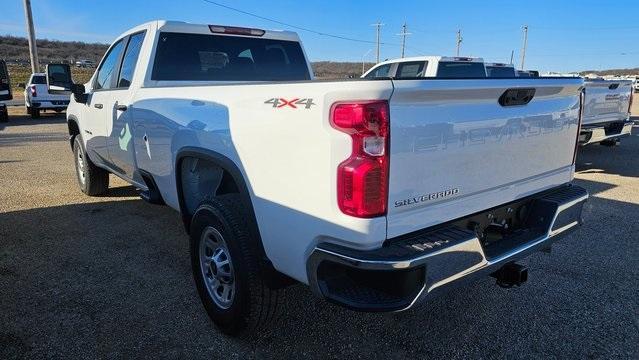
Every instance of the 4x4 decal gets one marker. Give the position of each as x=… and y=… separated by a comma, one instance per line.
x=293, y=103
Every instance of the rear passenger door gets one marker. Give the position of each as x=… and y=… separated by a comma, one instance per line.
x=119, y=116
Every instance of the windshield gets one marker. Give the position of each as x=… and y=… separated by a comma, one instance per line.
x=500, y=71
x=449, y=69
x=38, y=79
x=202, y=57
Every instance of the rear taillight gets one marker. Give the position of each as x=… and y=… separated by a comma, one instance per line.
x=582, y=98
x=34, y=93
x=362, y=179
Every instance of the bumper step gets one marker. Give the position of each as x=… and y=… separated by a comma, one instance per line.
x=407, y=268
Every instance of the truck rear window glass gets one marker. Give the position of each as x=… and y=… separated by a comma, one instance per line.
x=410, y=69
x=202, y=57
x=500, y=72
x=452, y=69
x=39, y=79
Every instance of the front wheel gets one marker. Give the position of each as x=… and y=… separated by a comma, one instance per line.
x=92, y=179
x=226, y=268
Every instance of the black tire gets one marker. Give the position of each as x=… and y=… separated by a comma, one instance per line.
x=35, y=113
x=254, y=305
x=91, y=179
x=4, y=115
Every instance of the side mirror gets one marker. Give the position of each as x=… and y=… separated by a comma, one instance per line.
x=79, y=93
x=59, y=78
x=59, y=82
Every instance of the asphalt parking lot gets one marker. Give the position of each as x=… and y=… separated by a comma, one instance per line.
x=110, y=277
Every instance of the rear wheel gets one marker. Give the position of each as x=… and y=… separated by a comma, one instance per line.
x=92, y=179
x=35, y=113
x=226, y=268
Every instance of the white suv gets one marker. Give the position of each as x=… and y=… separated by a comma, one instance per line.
x=37, y=97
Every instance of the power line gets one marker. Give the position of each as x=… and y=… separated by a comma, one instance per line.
x=295, y=26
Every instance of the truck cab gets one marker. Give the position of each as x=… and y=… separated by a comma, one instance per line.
x=428, y=67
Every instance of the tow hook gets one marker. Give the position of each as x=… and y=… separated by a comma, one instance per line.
x=510, y=275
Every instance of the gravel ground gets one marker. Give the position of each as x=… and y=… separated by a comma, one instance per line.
x=109, y=277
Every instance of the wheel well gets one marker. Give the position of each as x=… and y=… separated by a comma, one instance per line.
x=201, y=179
x=73, y=130
x=202, y=174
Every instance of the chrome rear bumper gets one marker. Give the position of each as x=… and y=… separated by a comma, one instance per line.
x=405, y=270
x=597, y=134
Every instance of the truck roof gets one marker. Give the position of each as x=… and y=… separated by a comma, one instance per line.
x=185, y=27
x=433, y=58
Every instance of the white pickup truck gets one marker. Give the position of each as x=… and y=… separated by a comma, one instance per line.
x=375, y=193
x=607, y=106
x=5, y=91
x=37, y=97
x=428, y=66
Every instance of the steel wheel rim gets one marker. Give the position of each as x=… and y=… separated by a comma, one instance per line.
x=217, y=268
x=80, y=166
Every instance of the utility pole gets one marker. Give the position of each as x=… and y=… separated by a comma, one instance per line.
x=459, y=41
x=512, y=55
x=523, y=51
x=403, y=34
x=378, y=25
x=33, y=50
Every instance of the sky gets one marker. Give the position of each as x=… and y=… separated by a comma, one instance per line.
x=563, y=35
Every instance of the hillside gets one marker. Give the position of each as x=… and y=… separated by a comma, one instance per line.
x=633, y=71
x=16, y=50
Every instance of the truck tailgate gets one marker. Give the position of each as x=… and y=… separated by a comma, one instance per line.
x=456, y=151
x=606, y=101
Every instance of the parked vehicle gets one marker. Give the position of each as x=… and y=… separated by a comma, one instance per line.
x=37, y=97
x=375, y=193
x=606, y=117
x=85, y=63
x=500, y=70
x=635, y=84
x=5, y=91
x=428, y=66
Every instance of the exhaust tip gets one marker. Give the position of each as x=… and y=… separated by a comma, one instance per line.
x=511, y=274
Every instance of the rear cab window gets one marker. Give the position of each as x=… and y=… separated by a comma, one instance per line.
x=39, y=79
x=500, y=72
x=203, y=57
x=411, y=69
x=459, y=69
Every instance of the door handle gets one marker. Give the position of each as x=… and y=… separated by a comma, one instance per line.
x=121, y=107
x=98, y=106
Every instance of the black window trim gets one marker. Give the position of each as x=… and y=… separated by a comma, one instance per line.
x=121, y=60
x=124, y=40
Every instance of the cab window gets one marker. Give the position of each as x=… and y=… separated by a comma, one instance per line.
x=379, y=72
x=410, y=69
x=108, y=67
x=130, y=60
